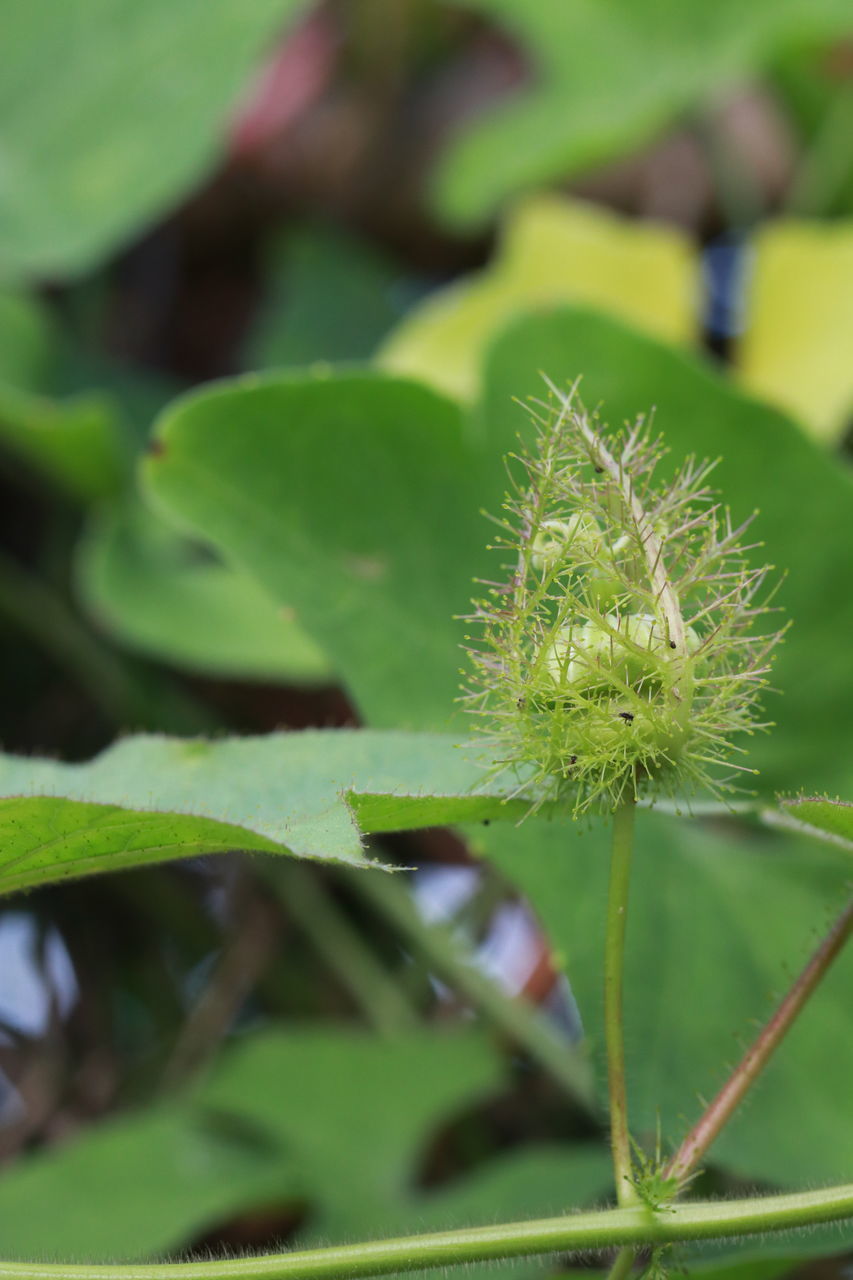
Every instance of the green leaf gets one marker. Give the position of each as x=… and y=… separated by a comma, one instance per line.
x=353, y=1111
x=159, y=593
x=552, y=251
x=703, y=968
x=539, y=1181
x=26, y=341
x=333, y=1120
x=833, y=819
x=526, y=1182
x=148, y=799
x=136, y=1187
x=607, y=77
x=354, y=500
x=76, y=443
x=111, y=111
x=799, y=302
x=765, y=460
x=329, y=298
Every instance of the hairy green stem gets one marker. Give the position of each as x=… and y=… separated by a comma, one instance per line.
x=515, y=1017
x=638, y=1225
x=614, y=965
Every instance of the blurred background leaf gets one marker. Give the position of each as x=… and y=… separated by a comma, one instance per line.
x=130, y=111
x=353, y=500
x=158, y=592
x=552, y=251
x=607, y=78
x=281, y=1125
x=330, y=297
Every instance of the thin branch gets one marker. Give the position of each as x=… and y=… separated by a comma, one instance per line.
x=720, y=1111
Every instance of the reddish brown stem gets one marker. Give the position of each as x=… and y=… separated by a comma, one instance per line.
x=720, y=1111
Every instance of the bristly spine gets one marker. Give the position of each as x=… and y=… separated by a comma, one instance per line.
x=621, y=655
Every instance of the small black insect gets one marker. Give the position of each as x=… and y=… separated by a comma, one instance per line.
x=626, y=715
x=672, y=644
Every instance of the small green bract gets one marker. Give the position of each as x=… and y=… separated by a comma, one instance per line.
x=621, y=656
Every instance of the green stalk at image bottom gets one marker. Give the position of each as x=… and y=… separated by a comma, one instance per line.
x=702, y=1220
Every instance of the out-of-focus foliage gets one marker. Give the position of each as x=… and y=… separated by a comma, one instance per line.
x=77, y=442
x=165, y=596
x=280, y=1123
x=26, y=346
x=552, y=251
x=143, y=583
x=330, y=297
x=129, y=111
x=799, y=292
x=353, y=499
x=797, y=289
x=812, y=81
x=606, y=77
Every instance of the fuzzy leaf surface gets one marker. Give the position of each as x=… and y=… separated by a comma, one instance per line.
x=150, y=799
x=833, y=818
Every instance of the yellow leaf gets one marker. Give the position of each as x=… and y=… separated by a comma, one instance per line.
x=552, y=251
x=796, y=351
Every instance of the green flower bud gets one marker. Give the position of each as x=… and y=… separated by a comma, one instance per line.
x=579, y=534
x=632, y=648
x=622, y=653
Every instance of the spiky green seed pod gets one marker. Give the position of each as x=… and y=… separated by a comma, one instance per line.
x=622, y=655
